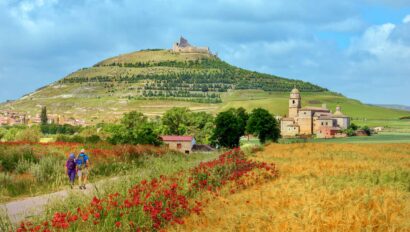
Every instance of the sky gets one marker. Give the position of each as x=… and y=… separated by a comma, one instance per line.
x=360, y=48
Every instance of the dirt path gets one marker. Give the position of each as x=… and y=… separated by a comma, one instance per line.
x=21, y=209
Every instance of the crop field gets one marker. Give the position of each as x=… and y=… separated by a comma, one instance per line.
x=321, y=187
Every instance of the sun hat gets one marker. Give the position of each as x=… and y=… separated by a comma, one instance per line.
x=82, y=150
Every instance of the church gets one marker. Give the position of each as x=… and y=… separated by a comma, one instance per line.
x=308, y=121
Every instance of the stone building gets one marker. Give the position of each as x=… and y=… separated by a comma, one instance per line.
x=183, y=144
x=184, y=46
x=307, y=121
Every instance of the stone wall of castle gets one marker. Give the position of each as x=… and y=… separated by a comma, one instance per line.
x=190, y=49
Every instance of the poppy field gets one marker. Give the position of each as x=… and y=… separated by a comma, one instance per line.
x=30, y=169
x=153, y=204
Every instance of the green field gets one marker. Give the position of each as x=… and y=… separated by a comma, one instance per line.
x=384, y=137
x=109, y=108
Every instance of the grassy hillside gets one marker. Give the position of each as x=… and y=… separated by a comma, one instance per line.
x=153, y=81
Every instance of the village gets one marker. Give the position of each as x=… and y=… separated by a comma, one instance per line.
x=11, y=118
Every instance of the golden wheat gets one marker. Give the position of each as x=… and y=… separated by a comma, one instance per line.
x=322, y=187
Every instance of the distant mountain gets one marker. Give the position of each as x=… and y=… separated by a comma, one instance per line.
x=394, y=106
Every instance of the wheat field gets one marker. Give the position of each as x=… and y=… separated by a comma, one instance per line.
x=322, y=187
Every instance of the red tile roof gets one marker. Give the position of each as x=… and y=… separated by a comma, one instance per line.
x=176, y=138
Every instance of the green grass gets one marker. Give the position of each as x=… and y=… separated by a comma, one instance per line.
x=150, y=167
x=157, y=56
x=109, y=108
x=383, y=137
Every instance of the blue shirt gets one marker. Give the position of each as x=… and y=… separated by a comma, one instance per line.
x=79, y=160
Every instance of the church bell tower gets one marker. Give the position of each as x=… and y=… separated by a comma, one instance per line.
x=294, y=103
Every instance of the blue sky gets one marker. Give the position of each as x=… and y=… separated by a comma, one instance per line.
x=360, y=48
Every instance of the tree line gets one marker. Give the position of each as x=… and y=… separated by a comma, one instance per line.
x=223, y=130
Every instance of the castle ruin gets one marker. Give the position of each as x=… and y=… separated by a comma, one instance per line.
x=184, y=46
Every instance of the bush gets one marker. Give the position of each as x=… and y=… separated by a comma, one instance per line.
x=367, y=130
x=70, y=139
x=48, y=169
x=32, y=134
x=10, y=134
x=23, y=166
x=10, y=156
x=92, y=139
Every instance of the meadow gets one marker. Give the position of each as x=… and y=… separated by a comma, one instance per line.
x=30, y=169
x=90, y=103
x=153, y=197
x=321, y=187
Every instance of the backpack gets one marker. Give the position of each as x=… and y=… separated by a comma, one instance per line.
x=71, y=164
x=81, y=161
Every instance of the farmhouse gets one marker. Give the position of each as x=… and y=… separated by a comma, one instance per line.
x=179, y=143
x=308, y=121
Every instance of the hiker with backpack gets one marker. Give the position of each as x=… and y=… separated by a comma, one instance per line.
x=70, y=169
x=82, y=168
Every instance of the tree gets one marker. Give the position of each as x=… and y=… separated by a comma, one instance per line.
x=262, y=124
x=43, y=115
x=353, y=126
x=134, y=129
x=367, y=130
x=201, y=124
x=176, y=121
x=243, y=117
x=228, y=129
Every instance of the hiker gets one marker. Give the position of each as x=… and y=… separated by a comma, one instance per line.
x=82, y=169
x=70, y=169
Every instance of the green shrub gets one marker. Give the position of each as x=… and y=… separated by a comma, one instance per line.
x=5, y=179
x=10, y=134
x=10, y=156
x=23, y=166
x=19, y=185
x=49, y=169
x=32, y=134
x=92, y=139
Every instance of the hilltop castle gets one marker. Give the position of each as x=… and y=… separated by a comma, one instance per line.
x=184, y=46
x=317, y=121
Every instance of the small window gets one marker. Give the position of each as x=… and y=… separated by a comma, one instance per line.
x=179, y=146
x=186, y=152
x=322, y=123
x=326, y=123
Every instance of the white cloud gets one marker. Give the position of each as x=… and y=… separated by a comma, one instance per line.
x=406, y=19
x=51, y=38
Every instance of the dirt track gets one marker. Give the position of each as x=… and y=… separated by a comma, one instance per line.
x=21, y=209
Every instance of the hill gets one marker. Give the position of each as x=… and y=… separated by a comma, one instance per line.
x=398, y=107
x=152, y=81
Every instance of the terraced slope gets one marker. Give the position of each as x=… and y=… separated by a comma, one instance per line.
x=153, y=81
